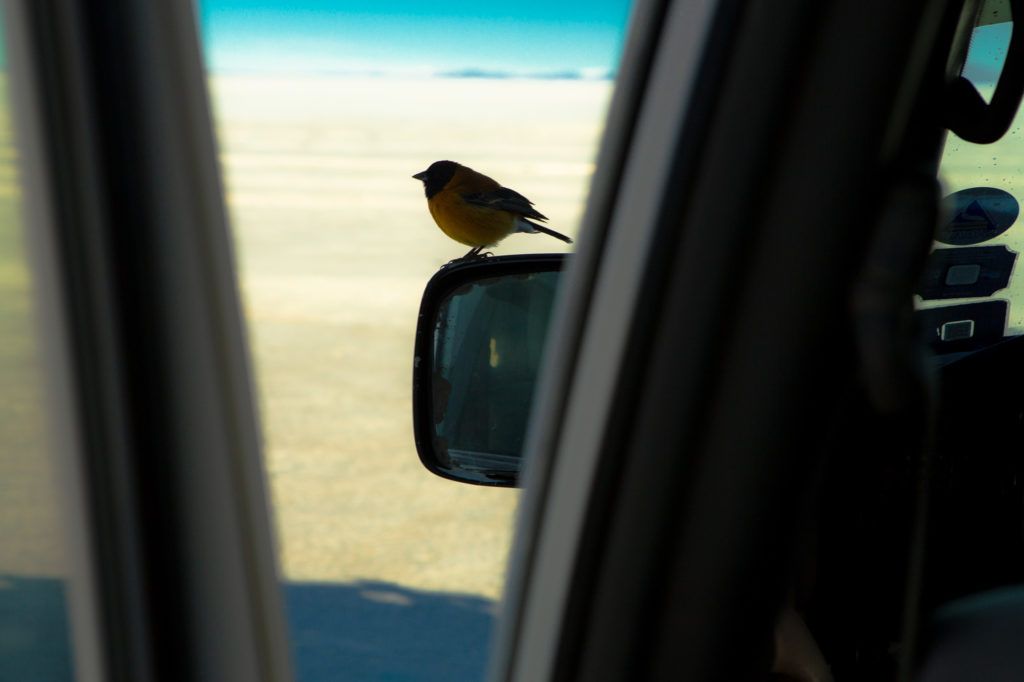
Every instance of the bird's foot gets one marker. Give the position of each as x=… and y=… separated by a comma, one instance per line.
x=471, y=256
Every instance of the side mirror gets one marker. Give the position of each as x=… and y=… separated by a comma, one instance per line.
x=479, y=344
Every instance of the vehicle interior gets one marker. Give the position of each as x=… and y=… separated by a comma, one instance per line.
x=917, y=533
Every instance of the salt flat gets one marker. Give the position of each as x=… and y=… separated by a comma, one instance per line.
x=335, y=245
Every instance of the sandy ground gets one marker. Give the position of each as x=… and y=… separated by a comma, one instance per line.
x=335, y=245
x=30, y=511
x=390, y=572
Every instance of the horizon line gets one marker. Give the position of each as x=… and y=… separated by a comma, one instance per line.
x=471, y=73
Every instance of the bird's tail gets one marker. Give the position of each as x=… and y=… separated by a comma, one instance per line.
x=525, y=225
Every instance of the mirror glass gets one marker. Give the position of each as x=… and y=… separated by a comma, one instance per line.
x=488, y=343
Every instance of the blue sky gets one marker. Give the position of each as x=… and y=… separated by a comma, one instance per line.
x=413, y=36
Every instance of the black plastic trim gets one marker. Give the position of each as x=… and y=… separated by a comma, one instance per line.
x=449, y=278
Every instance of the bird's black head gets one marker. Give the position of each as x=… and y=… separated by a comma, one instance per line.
x=437, y=176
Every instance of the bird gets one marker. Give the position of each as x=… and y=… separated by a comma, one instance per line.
x=476, y=210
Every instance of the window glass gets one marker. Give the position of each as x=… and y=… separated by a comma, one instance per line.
x=35, y=639
x=324, y=111
x=972, y=290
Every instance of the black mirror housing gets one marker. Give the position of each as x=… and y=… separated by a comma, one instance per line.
x=479, y=343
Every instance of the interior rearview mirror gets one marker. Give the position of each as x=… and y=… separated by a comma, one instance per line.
x=479, y=344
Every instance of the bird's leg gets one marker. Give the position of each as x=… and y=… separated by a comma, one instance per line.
x=472, y=254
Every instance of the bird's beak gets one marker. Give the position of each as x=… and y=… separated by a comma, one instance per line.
x=421, y=176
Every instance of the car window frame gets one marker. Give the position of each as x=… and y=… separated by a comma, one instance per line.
x=612, y=628
x=180, y=578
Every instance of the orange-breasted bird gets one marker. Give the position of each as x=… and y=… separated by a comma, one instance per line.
x=475, y=210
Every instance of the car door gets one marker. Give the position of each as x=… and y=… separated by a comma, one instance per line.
x=706, y=362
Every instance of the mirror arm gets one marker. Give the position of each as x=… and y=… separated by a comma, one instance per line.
x=966, y=112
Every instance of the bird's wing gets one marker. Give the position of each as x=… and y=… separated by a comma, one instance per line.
x=505, y=199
